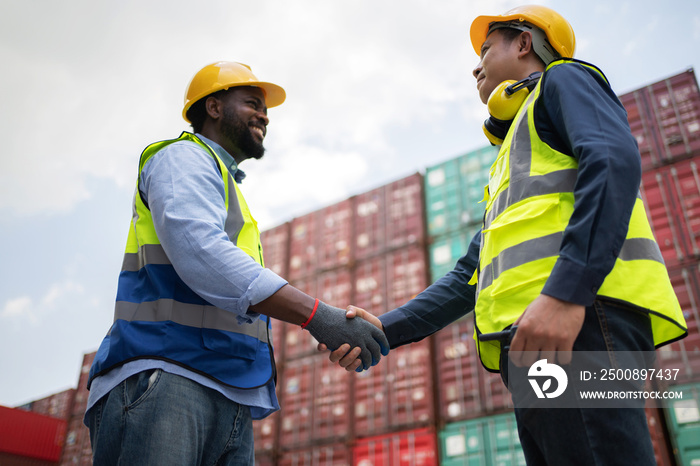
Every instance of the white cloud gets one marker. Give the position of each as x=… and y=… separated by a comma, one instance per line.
x=31, y=310
x=20, y=307
x=89, y=85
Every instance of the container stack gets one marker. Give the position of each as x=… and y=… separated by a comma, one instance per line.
x=77, y=450
x=665, y=120
x=368, y=250
x=28, y=438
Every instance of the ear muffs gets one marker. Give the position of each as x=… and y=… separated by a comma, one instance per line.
x=503, y=104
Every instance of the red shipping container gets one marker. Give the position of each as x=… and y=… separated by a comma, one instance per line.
x=395, y=394
x=636, y=106
x=665, y=119
x=664, y=216
x=275, y=243
x=265, y=434
x=31, y=435
x=318, y=455
x=81, y=392
x=77, y=450
x=407, y=274
x=58, y=405
x=302, y=247
x=334, y=236
x=684, y=183
x=459, y=372
x=409, y=448
x=370, y=290
x=405, y=212
x=370, y=223
x=314, y=399
x=334, y=288
x=391, y=216
x=675, y=109
x=684, y=354
x=385, y=282
x=466, y=389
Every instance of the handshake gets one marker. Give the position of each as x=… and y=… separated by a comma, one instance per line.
x=357, y=340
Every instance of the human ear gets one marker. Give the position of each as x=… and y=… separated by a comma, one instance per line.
x=213, y=107
x=524, y=43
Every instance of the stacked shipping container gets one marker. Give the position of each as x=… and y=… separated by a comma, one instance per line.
x=378, y=249
x=368, y=250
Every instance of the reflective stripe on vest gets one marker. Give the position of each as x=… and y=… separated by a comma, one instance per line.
x=529, y=202
x=157, y=316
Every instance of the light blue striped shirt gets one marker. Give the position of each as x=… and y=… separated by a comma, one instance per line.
x=185, y=193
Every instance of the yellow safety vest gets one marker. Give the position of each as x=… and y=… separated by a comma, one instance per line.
x=157, y=316
x=529, y=202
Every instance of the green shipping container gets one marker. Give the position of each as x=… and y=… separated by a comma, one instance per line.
x=486, y=441
x=454, y=190
x=445, y=250
x=683, y=416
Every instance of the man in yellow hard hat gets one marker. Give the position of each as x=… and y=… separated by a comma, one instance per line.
x=566, y=259
x=188, y=362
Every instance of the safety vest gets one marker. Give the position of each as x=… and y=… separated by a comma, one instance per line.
x=157, y=316
x=529, y=201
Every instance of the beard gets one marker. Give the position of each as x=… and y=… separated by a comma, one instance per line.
x=238, y=132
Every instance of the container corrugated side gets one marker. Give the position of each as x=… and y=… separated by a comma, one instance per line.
x=408, y=448
x=683, y=416
x=77, y=450
x=684, y=355
x=318, y=455
x=265, y=434
x=333, y=287
x=664, y=218
x=445, y=250
x=58, y=405
x=483, y=441
x=24, y=433
x=395, y=394
x=684, y=184
x=465, y=389
x=275, y=243
x=303, y=254
x=675, y=110
x=389, y=217
x=454, y=190
x=314, y=397
x=665, y=119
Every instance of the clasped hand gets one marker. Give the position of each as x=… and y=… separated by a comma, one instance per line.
x=348, y=355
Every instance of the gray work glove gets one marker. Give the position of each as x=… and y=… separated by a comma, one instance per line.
x=330, y=327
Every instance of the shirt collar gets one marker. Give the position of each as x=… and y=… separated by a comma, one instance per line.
x=230, y=162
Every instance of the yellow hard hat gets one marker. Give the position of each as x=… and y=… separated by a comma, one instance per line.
x=559, y=32
x=224, y=75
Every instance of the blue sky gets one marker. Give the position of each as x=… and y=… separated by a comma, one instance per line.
x=377, y=90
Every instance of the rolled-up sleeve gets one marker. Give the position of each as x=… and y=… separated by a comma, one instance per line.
x=185, y=192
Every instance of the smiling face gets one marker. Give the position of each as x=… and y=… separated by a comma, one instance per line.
x=239, y=118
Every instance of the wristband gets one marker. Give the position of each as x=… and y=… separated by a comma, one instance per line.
x=311, y=316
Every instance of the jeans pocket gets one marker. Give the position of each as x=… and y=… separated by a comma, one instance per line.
x=139, y=386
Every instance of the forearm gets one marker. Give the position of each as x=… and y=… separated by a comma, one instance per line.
x=288, y=304
x=443, y=302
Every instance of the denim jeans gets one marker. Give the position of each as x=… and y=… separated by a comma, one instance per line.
x=592, y=436
x=157, y=418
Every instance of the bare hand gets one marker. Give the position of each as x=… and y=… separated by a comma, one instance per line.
x=547, y=329
x=344, y=356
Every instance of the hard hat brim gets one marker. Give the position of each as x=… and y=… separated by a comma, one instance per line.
x=480, y=28
x=274, y=95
